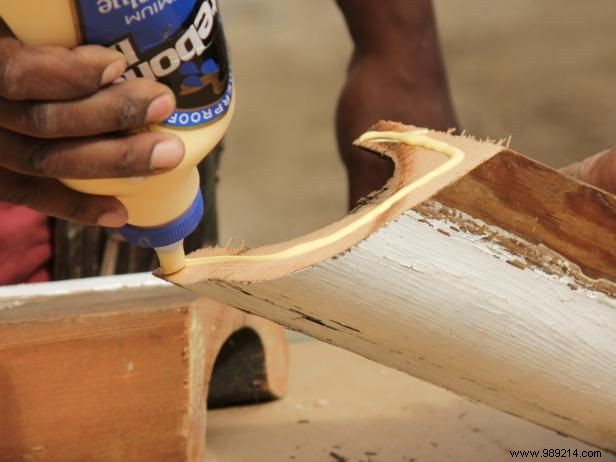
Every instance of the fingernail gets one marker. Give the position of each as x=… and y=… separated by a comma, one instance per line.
x=160, y=109
x=167, y=154
x=112, y=219
x=113, y=71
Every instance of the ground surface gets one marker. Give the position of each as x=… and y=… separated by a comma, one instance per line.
x=343, y=408
x=542, y=71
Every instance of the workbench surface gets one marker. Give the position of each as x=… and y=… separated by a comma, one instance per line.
x=344, y=408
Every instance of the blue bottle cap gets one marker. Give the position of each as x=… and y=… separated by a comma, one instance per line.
x=154, y=238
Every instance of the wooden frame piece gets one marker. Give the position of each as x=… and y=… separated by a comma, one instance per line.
x=495, y=279
x=120, y=369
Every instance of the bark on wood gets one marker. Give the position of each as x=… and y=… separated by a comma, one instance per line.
x=119, y=369
x=496, y=281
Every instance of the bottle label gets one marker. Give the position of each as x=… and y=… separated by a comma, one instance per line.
x=180, y=43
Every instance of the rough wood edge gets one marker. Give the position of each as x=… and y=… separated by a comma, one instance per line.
x=482, y=158
x=412, y=163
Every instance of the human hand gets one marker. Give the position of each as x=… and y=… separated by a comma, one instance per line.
x=60, y=117
x=598, y=170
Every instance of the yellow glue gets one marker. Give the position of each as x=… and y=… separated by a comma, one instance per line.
x=413, y=138
x=180, y=44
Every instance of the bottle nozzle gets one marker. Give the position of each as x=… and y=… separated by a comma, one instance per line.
x=172, y=257
x=168, y=240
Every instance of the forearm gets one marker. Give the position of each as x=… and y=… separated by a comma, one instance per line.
x=397, y=73
x=401, y=29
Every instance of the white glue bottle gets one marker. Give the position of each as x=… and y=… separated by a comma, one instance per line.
x=179, y=43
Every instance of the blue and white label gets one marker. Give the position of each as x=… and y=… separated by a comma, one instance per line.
x=197, y=118
x=179, y=43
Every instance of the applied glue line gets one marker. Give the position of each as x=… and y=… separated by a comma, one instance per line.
x=417, y=138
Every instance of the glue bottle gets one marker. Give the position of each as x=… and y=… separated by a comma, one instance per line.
x=179, y=43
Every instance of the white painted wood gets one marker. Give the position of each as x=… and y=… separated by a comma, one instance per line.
x=99, y=284
x=53, y=300
x=453, y=310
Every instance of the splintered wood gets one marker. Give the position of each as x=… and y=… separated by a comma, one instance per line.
x=495, y=279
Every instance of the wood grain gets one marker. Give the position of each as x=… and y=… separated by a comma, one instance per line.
x=541, y=205
x=67, y=384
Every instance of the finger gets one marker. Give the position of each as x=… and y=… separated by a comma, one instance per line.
x=53, y=198
x=55, y=73
x=110, y=157
x=600, y=170
x=127, y=106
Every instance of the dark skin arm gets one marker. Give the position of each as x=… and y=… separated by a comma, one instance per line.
x=396, y=73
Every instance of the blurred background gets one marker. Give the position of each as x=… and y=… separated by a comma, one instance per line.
x=541, y=71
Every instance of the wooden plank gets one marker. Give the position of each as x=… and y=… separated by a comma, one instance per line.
x=542, y=206
x=120, y=368
x=495, y=279
x=67, y=386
